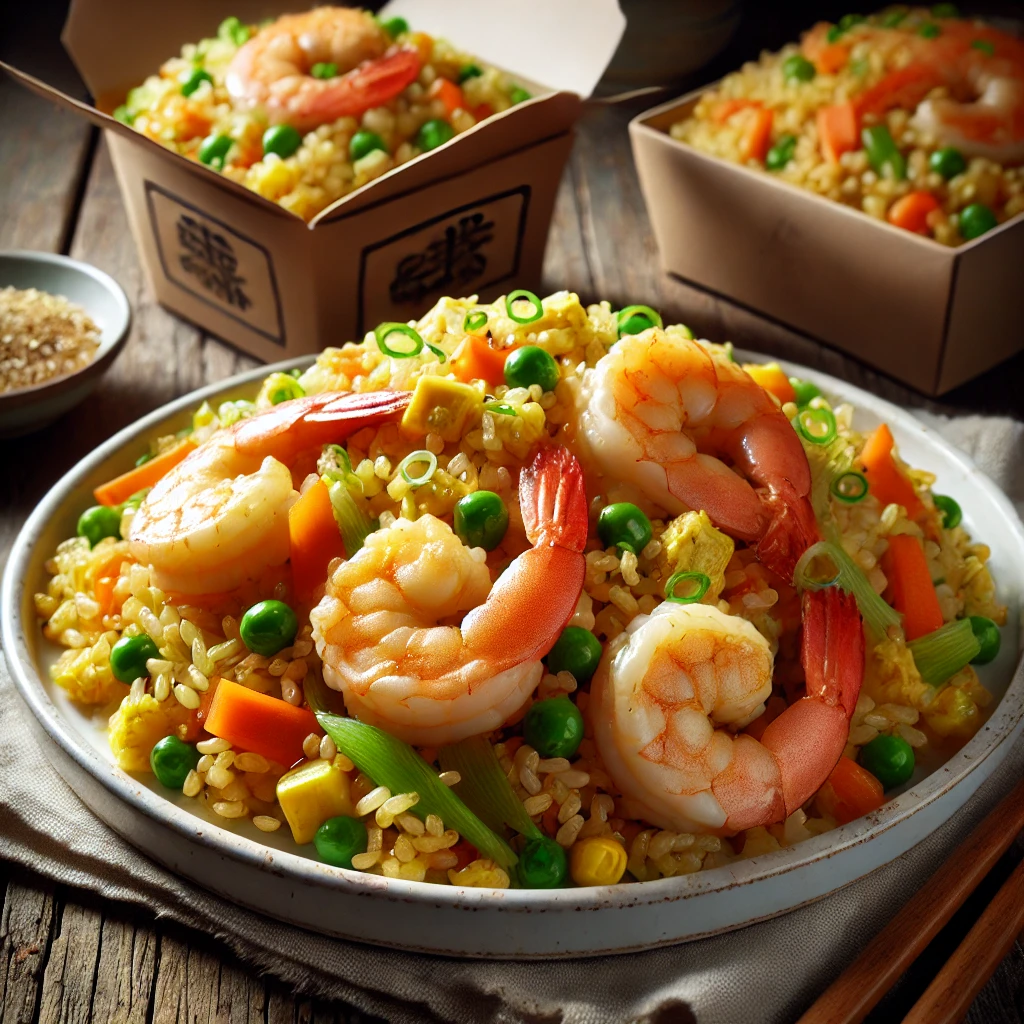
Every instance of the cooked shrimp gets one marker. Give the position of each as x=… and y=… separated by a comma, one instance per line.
x=674, y=688
x=383, y=632
x=272, y=70
x=220, y=517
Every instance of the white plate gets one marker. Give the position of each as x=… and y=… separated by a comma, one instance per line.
x=271, y=874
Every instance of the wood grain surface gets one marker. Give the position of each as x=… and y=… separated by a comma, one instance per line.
x=67, y=957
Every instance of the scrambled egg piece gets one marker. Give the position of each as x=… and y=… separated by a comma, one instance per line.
x=691, y=544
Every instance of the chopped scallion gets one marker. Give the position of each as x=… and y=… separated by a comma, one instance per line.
x=384, y=331
x=851, y=487
x=500, y=408
x=442, y=356
x=636, y=319
x=355, y=525
x=522, y=295
x=474, y=321
x=415, y=458
x=943, y=652
x=817, y=426
x=699, y=584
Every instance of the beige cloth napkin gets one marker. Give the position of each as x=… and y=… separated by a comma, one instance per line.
x=767, y=972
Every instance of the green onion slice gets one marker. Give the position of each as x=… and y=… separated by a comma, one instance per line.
x=392, y=763
x=701, y=583
x=439, y=352
x=384, y=331
x=474, y=321
x=943, y=652
x=644, y=313
x=484, y=787
x=816, y=426
x=353, y=523
x=501, y=408
x=522, y=295
x=422, y=455
x=850, y=487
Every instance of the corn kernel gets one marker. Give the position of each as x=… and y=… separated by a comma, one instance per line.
x=310, y=795
x=598, y=860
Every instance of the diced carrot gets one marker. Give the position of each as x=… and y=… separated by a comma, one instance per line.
x=758, y=137
x=910, y=212
x=449, y=94
x=850, y=792
x=122, y=487
x=772, y=379
x=315, y=539
x=254, y=721
x=106, y=576
x=832, y=58
x=886, y=481
x=837, y=130
x=474, y=359
x=482, y=111
x=913, y=593
x=725, y=109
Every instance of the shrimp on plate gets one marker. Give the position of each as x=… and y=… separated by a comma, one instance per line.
x=272, y=70
x=691, y=430
x=220, y=517
x=384, y=632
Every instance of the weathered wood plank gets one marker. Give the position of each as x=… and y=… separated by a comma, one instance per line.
x=71, y=965
x=26, y=928
x=125, y=973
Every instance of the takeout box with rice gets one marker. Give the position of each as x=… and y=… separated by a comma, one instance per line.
x=282, y=232
x=865, y=187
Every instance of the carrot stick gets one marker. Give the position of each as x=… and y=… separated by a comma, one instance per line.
x=851, y=792
x=474, y=359
x=265, y=725
x=913, y=592
x=758, y=136
x=315, y=539
x=837, y=130
x=886, y=481
x=122, y=487
x=910, y=212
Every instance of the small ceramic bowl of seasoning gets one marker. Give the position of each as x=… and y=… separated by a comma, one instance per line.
x=62, y=323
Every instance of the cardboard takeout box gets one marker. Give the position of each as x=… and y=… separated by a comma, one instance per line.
x=470, y=216
x=925, y=313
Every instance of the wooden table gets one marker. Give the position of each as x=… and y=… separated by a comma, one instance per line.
x=65, y=956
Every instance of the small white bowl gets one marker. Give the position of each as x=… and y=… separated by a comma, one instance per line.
x=28, y=409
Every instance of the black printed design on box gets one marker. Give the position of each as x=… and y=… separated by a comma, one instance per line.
x=215, y=264
x=465, y=250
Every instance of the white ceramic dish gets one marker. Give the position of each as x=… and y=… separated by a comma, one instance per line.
x=270, y=874
x=101, y=297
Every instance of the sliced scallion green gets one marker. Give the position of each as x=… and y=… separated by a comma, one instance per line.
x=439, y=352
x=355, y=525
x=817, y=426
x=699, y=584
x=851, y=487
x=413, y=459
x=384, y=331
x=500, y=408
x=522, y=295
x=943, y=652
x=636, y=319
x=474, y=321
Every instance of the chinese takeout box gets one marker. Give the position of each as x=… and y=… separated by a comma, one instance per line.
x=930, y=315
x=470, y=216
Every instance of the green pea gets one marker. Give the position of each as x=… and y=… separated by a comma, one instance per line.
x=554, y=727
x=945, y=11
x=268, y=627
x=123, y=114
x=144, y=458
x=129, y=655
x=577, y=651
x=975, y=220
x=948, y=161
x=233, y=31
x=98, y=522
x=194, y=79
x=542, y=864
x=988, y=636
x=324, y=70
x=214, y=149
x=798, y=69
x=531, y=365
x=469, y=71
x=433, y=134
x=281, y=139
x=929, y=31
x=949, y=509
x=805, y=391
x=889, y=758
x=339, y=839
x=481, y=520
x=395, y=27
x=625, y=526
x=518, y=94
x=364, y=142
x=781, y=153
x=171, y=760
x=979, y=44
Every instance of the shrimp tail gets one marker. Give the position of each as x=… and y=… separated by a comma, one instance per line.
x=791, y=530
x=809, y=737
x=553, y=499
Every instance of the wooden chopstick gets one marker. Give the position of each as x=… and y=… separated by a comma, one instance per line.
x=947, y=999
x=850, y=998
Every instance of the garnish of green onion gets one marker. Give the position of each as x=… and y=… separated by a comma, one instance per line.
x=355, y=525
x=943, y=652
x=816, y=426
x=522, y=295
x=949, y=510
x=697, y=583
x=385, y=331
x=850, y=487
x=637, y=319
x=416, y=458
x=392, y=763
x=439, y=352
x=474, y=321
x=501, y=408
x=484, y=787
x=879, y=616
